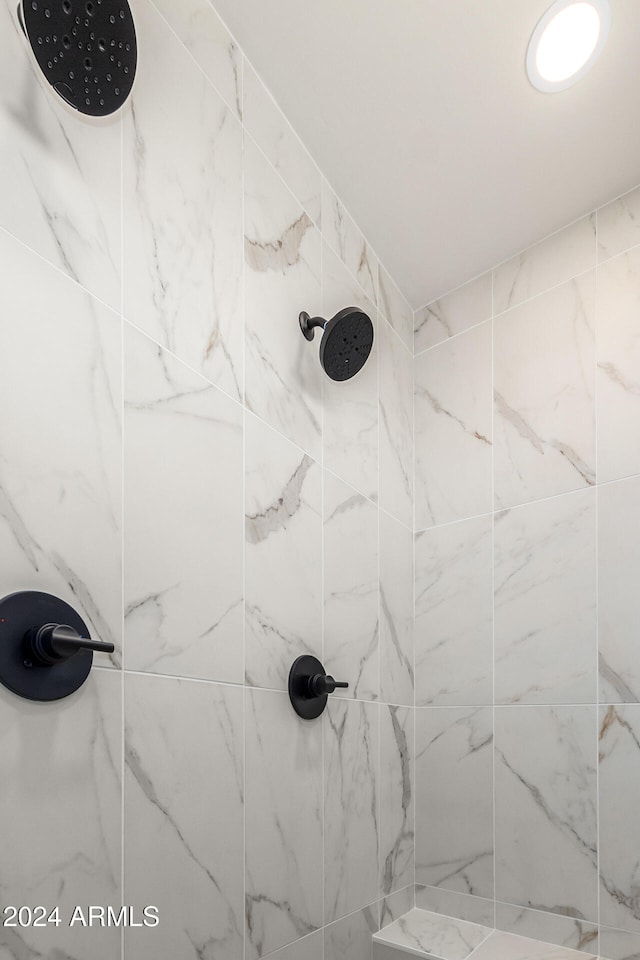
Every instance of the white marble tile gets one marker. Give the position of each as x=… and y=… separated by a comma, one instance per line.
x=183, y=209
x=284, y=839
x=619, y=746
x=464, y=307
x=618, y=944
x=394, y=307
x=350, y=938
x=396, y=797
x=60, y=458
x=396, y=612
x=282, y=277
x=618, y=599
x=345, y=239
x=619, y=225
x=283, y=555
x=351, y=629
x=454, y=614
x=454, y=904
x=265, y=122
x=350, y=436
x=431, y=935
x=454, y=789
x=309, y=948
x=183, y=529
x=63, y=173
x=396, y=425
x=544, y=386
x=565, y=931
x=209, y=42
x=552, y=261
x=396, y=904
x=618, y=348
x=545, y=783
x=509, y=946
x=184, y=817
x=60, y=804
x=351, y=784
x=545, y=601
x=453, y=431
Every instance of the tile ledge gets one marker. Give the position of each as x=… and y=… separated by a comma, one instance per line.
x=433, y=936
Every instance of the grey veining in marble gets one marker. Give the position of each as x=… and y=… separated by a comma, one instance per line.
x=351, y=783
x=350, y=938
x=60, y=457
x=395, y=308
x=351, y=630
x=283, y=555
x=545, y=782
x=61, y=765
x=544, y=393
x=557, y=258
x=184, y=817
x=432, y=935
x=284, y=830
x=183, y=209
x=308, y=948
x=509, y=946
x=209, y=42
x=453, y=313
x=454, y=640
x=345, y=239
x=282, y=277
x=545, y=601
x=396, y=797
x=618, y=600
x=273, y=133
x=394, y=905
x=62, y=176
x=453, y=430
x=569, y=932
x=618, y=346
x=396, y=425
x=619, y=749
x=452, y=903
x=396, y=612
x=183, y=548
x=457, y=744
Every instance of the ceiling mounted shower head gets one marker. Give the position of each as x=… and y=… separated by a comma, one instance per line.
x=346, y=342
x=86, y=50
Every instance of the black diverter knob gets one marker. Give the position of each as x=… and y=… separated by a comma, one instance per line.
x=309, y=687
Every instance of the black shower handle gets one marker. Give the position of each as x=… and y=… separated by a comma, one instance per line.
x=321, y=684
x=56, y=642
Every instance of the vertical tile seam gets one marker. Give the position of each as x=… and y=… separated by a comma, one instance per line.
x=597, y=580
x=245, y=693
x=122, y=542
x=493, y=605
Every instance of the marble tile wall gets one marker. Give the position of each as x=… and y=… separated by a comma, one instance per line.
x=175, y=464
x=527, y=560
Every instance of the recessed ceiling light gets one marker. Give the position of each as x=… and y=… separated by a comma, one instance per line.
x=566, y=42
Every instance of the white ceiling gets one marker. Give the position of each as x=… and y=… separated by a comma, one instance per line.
x=420, y=114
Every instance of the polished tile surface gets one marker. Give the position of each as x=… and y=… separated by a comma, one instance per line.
x=453, y=431
x=182, y=229
x=182, y=548
x=431, y=935
x=454, y=313
x=283, y=555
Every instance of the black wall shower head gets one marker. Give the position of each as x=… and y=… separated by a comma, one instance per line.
x=346, y=342
x=85, y=50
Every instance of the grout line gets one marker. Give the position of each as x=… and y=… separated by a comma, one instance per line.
x=323, y=720
x=493, y=597
x=123, y=852
x=597, y=591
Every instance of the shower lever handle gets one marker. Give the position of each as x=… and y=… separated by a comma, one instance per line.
x=320, y=685
x=56, y=642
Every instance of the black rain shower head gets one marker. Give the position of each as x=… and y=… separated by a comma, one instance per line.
x=85, y=49
x=346, y=342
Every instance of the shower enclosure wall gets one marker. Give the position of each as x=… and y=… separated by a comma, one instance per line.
x=176, y=465
x=527, y=433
